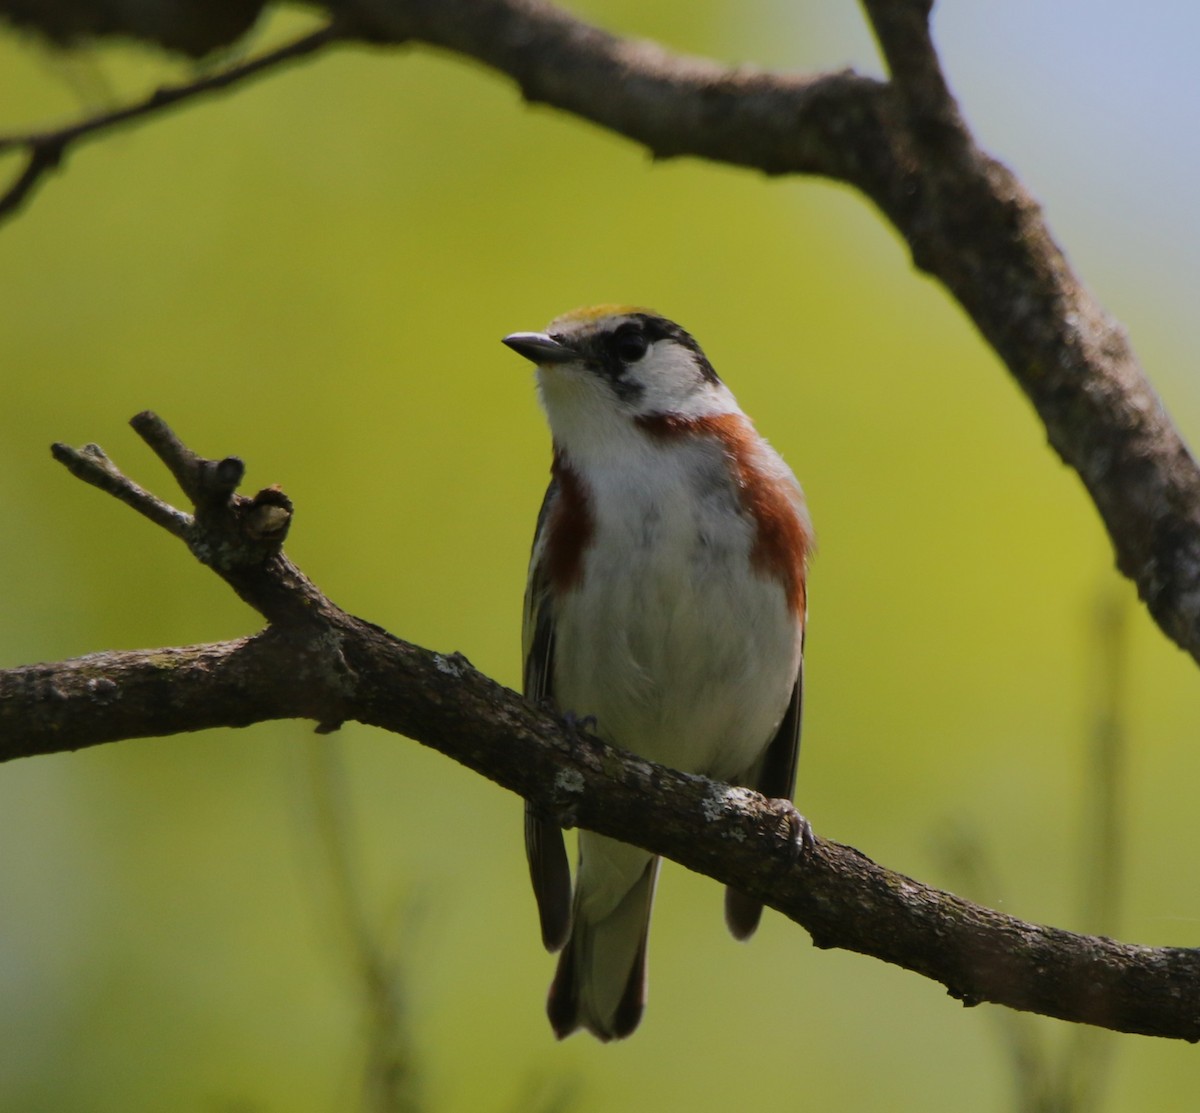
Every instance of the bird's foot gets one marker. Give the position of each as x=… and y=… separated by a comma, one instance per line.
x=794, y=831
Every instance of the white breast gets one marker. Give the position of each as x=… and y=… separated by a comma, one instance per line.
x=683, y=652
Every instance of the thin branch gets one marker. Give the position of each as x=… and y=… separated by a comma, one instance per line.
x=46, y=150
x=239, y=538
x=317, y=662
x=44, y=156
x=904, y=35
x=201, y=480
x=90, y=464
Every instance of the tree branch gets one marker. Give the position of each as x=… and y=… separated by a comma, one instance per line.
x=966, y=218
x=968, y=222
x=317, y=662
x=45, y=150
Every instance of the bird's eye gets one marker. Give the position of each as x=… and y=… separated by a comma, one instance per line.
x=630, y=345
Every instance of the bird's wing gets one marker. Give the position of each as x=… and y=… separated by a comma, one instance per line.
x=774, y=775
x=544, y=847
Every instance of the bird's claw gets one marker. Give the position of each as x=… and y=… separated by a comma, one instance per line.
x=795, y=832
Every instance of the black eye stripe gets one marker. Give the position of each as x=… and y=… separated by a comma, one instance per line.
x=629, y=343
x=614, y=354
x=614, y=367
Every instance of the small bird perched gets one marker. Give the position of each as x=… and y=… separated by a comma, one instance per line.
x=665, y=603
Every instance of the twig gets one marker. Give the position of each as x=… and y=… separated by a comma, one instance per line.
x=48, y=148
x=205, y=482
x=92, y=465
x=240, y=538
x=904, y=35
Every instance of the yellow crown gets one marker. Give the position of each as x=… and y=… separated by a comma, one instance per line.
x=595, y=312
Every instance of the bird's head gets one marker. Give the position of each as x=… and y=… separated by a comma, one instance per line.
x=602, y=371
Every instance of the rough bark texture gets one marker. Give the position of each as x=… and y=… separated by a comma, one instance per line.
x=967, y=221
x=315, y=661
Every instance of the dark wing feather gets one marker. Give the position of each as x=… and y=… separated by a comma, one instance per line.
x=775, y=778
x=544, y=847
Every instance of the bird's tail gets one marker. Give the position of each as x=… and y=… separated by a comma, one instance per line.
x=600, y=983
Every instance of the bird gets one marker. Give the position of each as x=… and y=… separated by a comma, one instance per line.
x=665, y=608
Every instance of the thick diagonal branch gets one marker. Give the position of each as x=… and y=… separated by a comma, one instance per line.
x=351, y=669
x=317, y=662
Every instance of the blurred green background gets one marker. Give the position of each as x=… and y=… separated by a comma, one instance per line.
x=314, y=274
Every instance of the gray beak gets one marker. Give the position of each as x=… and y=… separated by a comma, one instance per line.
x=540, y=348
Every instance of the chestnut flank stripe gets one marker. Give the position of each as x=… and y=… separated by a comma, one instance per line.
x=782, y=542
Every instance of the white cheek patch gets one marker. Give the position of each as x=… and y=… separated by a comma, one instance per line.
x=673, y=383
